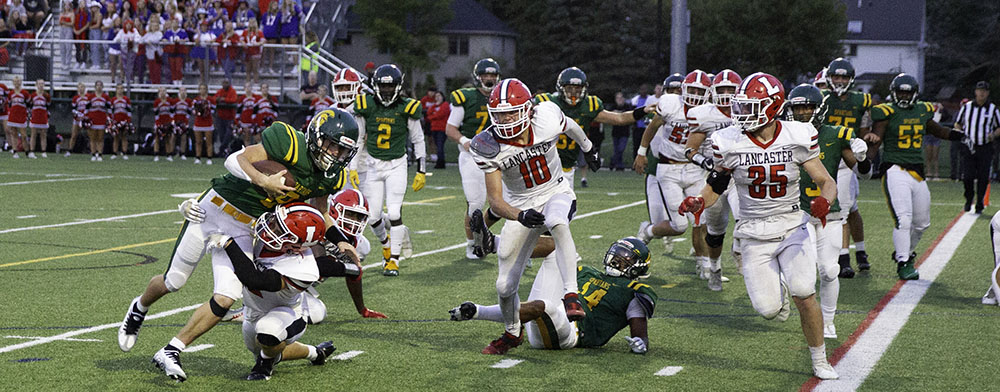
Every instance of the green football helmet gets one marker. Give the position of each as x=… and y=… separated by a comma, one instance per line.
x=388, y=81
x=904, y=90
x=572, y=76
x=487, y=66
x=805, y=94
x=627, y=257
x=332, y=140
x=839, y=67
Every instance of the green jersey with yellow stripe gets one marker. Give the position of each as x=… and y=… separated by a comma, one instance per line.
x=904, y=134
x=473, y=102
x=386, y=128
x=832, y=142
x=607, y=299
x=583, y=113
x=286, y=145
x=846, y=112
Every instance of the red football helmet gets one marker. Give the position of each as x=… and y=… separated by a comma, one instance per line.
x=759, y=101
x=694, y=88
x=510, y=108
x=290, y=226
x=726, y=78
x=350, y=86
x=349, y=210
x=820, y=80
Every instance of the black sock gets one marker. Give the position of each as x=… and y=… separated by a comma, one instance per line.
x=170, y=347
x=844, y=260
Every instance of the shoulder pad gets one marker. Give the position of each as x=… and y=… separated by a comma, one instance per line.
x=457, y=97
x=485, y=144
x=412, y=107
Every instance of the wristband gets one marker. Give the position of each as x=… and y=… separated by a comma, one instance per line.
x=463, y=140
x=639, y=113
x=641, y=151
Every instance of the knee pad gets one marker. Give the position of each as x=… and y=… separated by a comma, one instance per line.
x=174, y=280
x=475, y=205
x=829, y=272
x=904, y=222
x=395, y=212
x=313, y=309
x=770, y=312
x=268, y=340
x=506, y=287
x=715, y=241
x=217, y=310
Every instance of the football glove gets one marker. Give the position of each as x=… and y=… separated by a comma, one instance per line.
x=217, y=241
x=593, y=158
x=531, y=218
x=368, y=313
x=694, y=205
x=418, y=181
x=636, y=344
x=192, y=211
x=704, y=163
x=819, y=207
x=859, y=148
x=355, y=180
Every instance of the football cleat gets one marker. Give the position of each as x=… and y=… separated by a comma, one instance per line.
x=323, y=351
x=574, y=309
x=642, y=232
x=391, y=268
x=668, y=245
x=906, y=270
x=823, y=371
x=504, y=343
x=715, y=280
x=263, y=369
x=235, y=315
x=862, y=258
x=484, y=242
x=129, y=331
x=168, y=359
x=829, y=330
x=703, y=269
x=463, y=312
x=989, y=298
x=583, y=182
x=846, y=272
x=470, y=252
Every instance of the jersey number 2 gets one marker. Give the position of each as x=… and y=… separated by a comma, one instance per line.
x=384, y=131
x=778, y=183
x=535, y=171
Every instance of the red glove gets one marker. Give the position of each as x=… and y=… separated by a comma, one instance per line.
x=819, y=207
x=694, y=205
x=368, y=313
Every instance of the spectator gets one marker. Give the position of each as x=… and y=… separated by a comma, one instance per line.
x=231, y=6
x=40, y=101
x=437, y=115
x=97, y=114
x=266, y=108
x=310, y=63
x=17, y=117
x=142, y=11
x=22, y=29
x=218, y=16
x=226, y=99
x=96, y=49
x=271, y=27
x=139, y=63
x=247, y=109
x=643, y=99
x=15, y=10
x=243, y=16
x=110, y=24
x=619, y=133
x=253, y=39
x=204, y=106
x=81, y=23
x=202, y=52
x=158, y=13
x=176, y=51
x=66, y=31
x=128, y=37
x=658, y=91
x=228, y=49
x=121, y=122
x=291, y=13
x=154, y=51
x=115, y=56
x=309, y=90
x=429, y=98
x=979, y=119
x=5, y=33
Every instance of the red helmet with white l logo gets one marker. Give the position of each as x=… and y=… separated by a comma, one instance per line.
x=349, y=210
x=350, y=86
x=820, y=80
x=695, y=88
x=290, y=226
x=758, y=101
x=727, y=78
x=510, y=108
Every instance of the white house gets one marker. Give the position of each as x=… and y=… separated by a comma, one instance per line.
x=884, y=38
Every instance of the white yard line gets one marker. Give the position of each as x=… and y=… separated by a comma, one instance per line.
x=347, y=355
x=43, y=337
x=54, y=180
x=86, y=221
x=198, y=348
x=506, y=363
x=855, y=366
x=669, y=371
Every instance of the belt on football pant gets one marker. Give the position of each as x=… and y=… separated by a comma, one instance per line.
x=228, y=209
x=667, y=161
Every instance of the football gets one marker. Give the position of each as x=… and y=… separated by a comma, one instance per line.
x=270, y=167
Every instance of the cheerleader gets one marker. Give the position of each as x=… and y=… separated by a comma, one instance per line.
x=98, y=112
x=17, y=117
x=4, y=93
x=163, y=124
x=266, y=108
x=319, y=104
x=182, y=118
x=121, y=126
x=248, y=108
x=80, y=103
x=204, y=108
x=39, y=119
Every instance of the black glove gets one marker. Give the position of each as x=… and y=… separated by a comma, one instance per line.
x=531, y=218
x=593, y=158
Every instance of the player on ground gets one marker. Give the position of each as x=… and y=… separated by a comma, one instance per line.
x=163, y=124
x=763, y=155
x=677, y=177
x=836, y=144
x=121, y=123
x=614, y=300
x=703, y=120
x=849, y=109
x=519, y=152
x=389, y=120
x=899, y=126
x=79, y=106
x=316, y=160
x=39, y=124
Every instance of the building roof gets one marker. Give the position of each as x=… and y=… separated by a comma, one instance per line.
x=469, y=17
x=884, y=20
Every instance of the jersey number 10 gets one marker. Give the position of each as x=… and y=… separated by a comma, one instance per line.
x=535, y=171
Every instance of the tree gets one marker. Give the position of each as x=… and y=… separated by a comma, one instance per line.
x=963, y=38
x=784, y=38
x=407, y=29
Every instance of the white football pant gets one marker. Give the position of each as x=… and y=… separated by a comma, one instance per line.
x=828, y=242
x=910, y=206
x=763, y=261
x=281, y=322
x=473, y=181
x=387, y=184
x=678, y=181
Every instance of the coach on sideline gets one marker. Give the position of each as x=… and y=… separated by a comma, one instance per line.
x=979, y=119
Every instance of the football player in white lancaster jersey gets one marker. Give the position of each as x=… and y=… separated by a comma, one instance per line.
x=763, y=155
x=677, y=176
x=703, y=120
x=519, y=152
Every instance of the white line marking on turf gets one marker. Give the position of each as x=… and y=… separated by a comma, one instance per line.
x=27, y=216
x=63, y=336
x=347, y=355
x=669, y=371
x=933, y=204
x=425, y=231
x=198, y=348
x=596, y=237
x=506, y=363
x=855, y=366
x=54, y=180
x=185, y=195
x=43, y=337
x=85, y=221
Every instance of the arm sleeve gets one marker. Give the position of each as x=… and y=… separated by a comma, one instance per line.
x=417, y=137
x=330, y=267
x=247, y=272
x=456, y=116
x=234, y=166
x=640, y=306
x=574, y=131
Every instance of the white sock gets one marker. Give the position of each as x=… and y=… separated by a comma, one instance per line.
x=859, y=246
x=818, y=353
x=715, y=263
x=828, y=293
x=565, y=256
x=491, y=313
x=396, y=234
x=379, y=231
x=496, y=243
x=702, y=261
x=649, y=231
x=263, y=355
x=470, y=242
x=138, y=306
x=312, y=353
x=178, y=344
x=845, y=251
x=510, y=314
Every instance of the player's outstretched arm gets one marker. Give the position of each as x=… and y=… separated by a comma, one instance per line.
x=248, y=274
x=620, y=118
x=944, y=133
x=638, y=338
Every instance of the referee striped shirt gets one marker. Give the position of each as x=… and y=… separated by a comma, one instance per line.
x=978, y=121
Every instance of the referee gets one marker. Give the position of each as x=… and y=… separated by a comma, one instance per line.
x=980, y=121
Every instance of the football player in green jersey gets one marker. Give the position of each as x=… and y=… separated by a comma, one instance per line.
x=571, y=96
x=469, y=117
x=836, y=144
x=900, y=126
x=614, y=300
x=850, y=109
x=389, y=120
x=316, y=160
